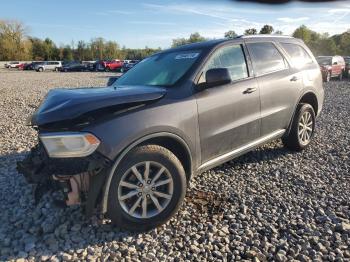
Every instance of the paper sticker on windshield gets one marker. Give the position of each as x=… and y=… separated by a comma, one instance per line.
x=187, y=56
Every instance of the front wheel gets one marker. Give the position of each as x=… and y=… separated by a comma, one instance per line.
x=147, y=188
x=302, y=129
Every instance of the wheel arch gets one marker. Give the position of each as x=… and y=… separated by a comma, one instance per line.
x=309, y=97
x=171, y=141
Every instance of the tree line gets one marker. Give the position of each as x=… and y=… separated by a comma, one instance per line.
x=320, y=44
x=15, y=44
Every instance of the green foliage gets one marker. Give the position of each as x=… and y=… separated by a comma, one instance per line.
x=322, y=44
x=250, y=31
x=195, y=37
x=230, y=34
x=266, y=29
x=303, y=33
x=13, y=42
x=342, y=42
x=16, y=45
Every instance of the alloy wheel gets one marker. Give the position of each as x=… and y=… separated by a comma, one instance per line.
x=305, y=128
x=145, y=189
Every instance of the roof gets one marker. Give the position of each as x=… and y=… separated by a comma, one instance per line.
x=265, y=36
x=211, y=43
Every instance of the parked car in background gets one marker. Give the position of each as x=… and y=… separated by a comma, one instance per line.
x=21, y=66
x=130, y=150
x=129, y=65
x=12, y=64
x=347, y=66
x=48, y=65
x=30, y=66
x=331, y=67
x=96, y=66
x=113, y=65
x=74, y=66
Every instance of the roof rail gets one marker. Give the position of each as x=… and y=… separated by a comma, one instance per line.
x=264, y=35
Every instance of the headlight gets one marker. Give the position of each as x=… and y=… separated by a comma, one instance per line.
x=61, y=145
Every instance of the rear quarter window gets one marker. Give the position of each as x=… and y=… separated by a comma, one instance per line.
x=266, y=58
x=298, y=54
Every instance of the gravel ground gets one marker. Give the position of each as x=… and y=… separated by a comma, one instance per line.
x=270, y=204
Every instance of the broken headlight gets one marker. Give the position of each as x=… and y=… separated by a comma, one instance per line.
x=61, y=145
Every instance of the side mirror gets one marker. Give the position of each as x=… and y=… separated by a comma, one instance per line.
x=111, y=80
x=216, y=77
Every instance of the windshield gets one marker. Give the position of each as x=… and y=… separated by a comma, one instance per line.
x=161, y=69
x=324, y=60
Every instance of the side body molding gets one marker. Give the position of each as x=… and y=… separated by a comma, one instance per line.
x=126, y=150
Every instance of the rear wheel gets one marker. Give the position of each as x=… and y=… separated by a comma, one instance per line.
x=147, y=188
x=107, y=69
x=302, y=129
x=340, y=77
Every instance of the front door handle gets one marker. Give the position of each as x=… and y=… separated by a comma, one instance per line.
x=294, y=78
x=249, y=90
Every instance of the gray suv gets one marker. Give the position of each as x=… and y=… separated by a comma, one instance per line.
x=129, y=150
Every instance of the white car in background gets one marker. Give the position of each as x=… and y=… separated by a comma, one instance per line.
x=12, y=64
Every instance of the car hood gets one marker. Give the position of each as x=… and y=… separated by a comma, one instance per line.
x=67, y=104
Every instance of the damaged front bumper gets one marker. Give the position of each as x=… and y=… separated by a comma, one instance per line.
x=79, y=178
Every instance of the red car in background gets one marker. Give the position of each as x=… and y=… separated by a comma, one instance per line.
x=113, y=65
x=21, y=66
x=331, y=66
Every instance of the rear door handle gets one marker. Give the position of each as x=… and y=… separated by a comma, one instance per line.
x=249, y=90
x=294, y=78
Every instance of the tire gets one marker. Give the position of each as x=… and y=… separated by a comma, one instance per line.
x=158, y=157
x=340, y=78
x=40, y=69
x=107, y=69
x=294, y=140
x=121, y=70
x=56, y=69
x=328, y=77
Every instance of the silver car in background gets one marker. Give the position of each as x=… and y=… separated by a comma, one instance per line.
x=48, y=65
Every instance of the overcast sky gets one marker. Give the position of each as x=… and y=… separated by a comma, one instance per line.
x=156, y=22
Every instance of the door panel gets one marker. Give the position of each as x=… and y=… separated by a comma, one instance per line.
x=279, y=93
x=228, y=117
x=279, y=85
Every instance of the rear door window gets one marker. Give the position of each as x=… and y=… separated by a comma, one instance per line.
x=298, y=54
x=266, y=58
